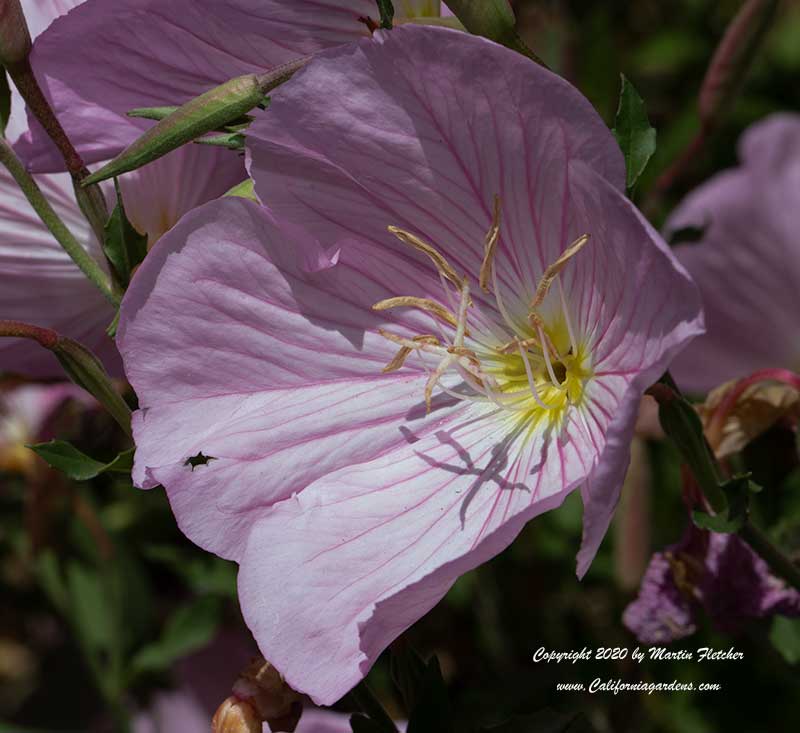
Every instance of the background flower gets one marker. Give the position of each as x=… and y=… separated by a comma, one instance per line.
x=747, y=262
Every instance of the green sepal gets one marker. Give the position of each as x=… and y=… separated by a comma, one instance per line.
x=230, y=140
x=245, y=190
x=124, y=246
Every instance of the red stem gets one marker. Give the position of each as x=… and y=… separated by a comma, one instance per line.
x=46, y=337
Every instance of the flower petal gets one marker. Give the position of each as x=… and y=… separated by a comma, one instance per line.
x=238, y=352
x=188, y=47
x=32, y=262
x=426, y=127
x=40, y=284
x=371, y=548
x=38, y=14
x=637, y=308
x=159, y=194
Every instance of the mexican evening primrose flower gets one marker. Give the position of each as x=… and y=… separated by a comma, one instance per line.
x=362, y=408
x=747, y=261
x=168, y=53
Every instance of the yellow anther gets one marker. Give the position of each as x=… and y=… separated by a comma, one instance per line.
x=552, y=272
x=442, y=265
x=492, y=237
x=426, y=304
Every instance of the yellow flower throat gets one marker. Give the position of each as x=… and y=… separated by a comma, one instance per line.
x=534, y=368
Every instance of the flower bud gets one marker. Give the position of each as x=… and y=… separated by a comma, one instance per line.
x=15, y=40
x=236, y=716
x=733, y=57
x=259, y=695
x=85, y=370
x=277, y=703
x=210, y=111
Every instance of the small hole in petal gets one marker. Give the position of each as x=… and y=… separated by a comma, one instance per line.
x=199, y=460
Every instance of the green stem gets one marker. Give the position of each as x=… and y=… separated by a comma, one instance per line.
x=90, y=199
x=781, y=565
x=58, y=229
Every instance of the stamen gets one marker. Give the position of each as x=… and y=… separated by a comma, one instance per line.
x=502, y=308
x=572, y=342
x=551, y=272
x=434, y=378
x=427, y=343
x=425, y=304
x=492, y=237
x=548, y=363
x=531, y=382
x=442, y=265
x=406, y=351
x=525, y=344
x=461, y=329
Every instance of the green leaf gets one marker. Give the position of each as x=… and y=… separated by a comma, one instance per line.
x=633, y=131
x=720, y=523
x=5, y=101
x=785, y=637
x=124, y=246
x=386, y=10
x=77, y=465
x=190, y=628
x=432, y=711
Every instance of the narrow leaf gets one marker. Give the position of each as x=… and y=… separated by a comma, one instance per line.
x=635, y=135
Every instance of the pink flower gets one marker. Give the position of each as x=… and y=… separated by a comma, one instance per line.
x=168, y=53
x=350, y=504
x=40, y=284
x=715, y=572
x=746, y=264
